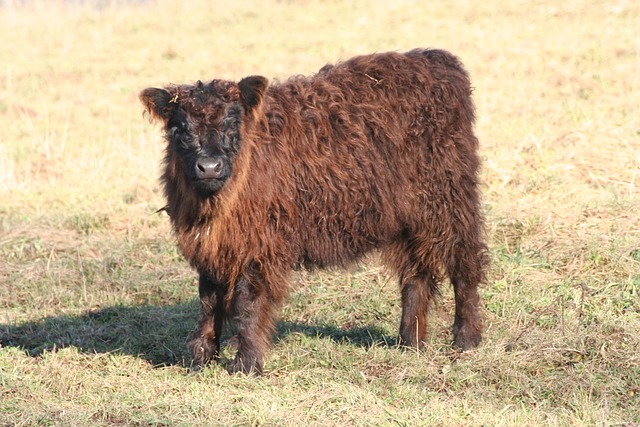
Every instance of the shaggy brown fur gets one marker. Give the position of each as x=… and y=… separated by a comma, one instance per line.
x=377, y=152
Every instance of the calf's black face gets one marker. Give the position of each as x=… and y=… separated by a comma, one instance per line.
x=203, y=126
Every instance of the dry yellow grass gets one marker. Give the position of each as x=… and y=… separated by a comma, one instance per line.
x=93, y=294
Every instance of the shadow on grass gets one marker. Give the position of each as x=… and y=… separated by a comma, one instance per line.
x=367, y=336
x=155, y=333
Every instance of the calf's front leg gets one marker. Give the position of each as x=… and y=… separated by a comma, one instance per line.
x=204, y=345
x=253, y=310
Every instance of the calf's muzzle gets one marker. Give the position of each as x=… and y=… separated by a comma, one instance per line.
x=210, y=168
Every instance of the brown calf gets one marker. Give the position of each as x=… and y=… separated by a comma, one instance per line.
x=375, y=153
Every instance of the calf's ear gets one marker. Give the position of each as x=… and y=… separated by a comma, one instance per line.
x=158, y=103
x=252, y=90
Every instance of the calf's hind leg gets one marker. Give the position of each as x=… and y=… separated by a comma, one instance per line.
x=417, y=285
x=416, y=296
x=467, y=269
x=465, y=277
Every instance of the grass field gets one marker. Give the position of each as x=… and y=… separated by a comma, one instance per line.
x=96, y=301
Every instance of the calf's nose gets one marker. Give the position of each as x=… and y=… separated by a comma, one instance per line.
x=210, y=168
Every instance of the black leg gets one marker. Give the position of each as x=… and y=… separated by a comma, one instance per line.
x=467, y=326
x=416, y=295
x=466, y=275
x=253, y=315
x=205, y=344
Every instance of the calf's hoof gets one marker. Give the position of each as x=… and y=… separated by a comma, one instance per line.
x=410, y=343
x=246, y=365
x=466, y=337
x=203, y=350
